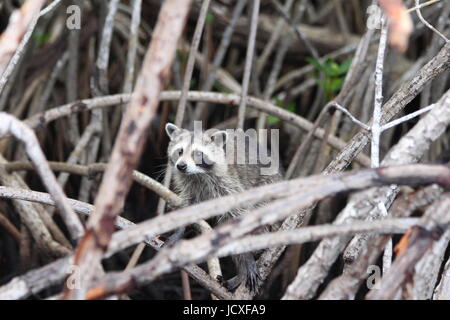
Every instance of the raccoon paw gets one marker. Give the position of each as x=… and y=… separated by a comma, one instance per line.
x=232, y=283
x=251, y=282
x=252, y=279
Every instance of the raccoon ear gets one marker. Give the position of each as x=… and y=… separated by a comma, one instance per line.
x=219, y=138
x=171, y=130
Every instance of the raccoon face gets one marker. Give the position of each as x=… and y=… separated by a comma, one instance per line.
x=190, y=154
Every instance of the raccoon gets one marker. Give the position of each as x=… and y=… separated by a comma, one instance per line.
x=201, y=172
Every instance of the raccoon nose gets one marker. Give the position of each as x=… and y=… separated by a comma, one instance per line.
x=182, y=166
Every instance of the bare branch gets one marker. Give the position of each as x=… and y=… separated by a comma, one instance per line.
x=428, y=129
x=130, y=140
x=90, y=170
x=395, y=104
x=406, y=118
x=442, y=291
x=10, y=125
x=425, y=22
x=418, y=241
x=181, y=109
x=314, y=233
x=248, y=63
x=206, y=245
x=347, y=284
x=376, y=127
x=36, y=280
x=41, y=119
x=16, y=36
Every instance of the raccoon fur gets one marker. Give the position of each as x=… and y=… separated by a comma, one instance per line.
x=201, y=172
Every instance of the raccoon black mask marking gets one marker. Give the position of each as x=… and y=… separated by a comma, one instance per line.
x=201, y=172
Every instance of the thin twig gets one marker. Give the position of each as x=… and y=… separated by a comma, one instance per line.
x=423, y=5
x=39, y=120
x=248, y=63
x=206, y=245
x=220, y=55
x=313, y=233
x=130, y=140
x=16, y=36
x=36, y=280
x=347, y=284
x=132, y=47
x=93, y=168
x=419, y=14
x=376, y=126
x=295, y=161
x=387, y=257
x=72, y=77
x=406, y=118
x=395, y=104
x=418, y=241
x=181, y=109
x=314, y=271
x=34, y=218
x=11, y=228
x=190, y=63
x=10, y=125
x=298, y=32
x=274, y=38
x=50, y=7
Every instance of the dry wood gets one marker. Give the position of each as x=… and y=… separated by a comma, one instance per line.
x=36, y=280
x=128, y=148
x=40, y=120
x=10, y=125
x=312, y=273
x=206, y=245
x=20, y=20
x=81, y=77
x=419, y=240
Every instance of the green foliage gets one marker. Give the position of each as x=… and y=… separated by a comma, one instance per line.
x=193, y=84
x=183, y=58
x=42, y=38
x=218, y=86
x=290, y=107
x=330, y=75
x=209, y=18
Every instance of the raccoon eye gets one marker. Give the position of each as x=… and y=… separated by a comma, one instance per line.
x=176, y=155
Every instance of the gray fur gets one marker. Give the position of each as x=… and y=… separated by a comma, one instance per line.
x=219, y=179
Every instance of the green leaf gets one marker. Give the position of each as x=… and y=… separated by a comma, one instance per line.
x=183, y=57
x=333, y=75
x=272, y=120
x=278, y=102
x=209, y=18
x=331, y=68
x=42, y=38
x=291, y=107
x=316, y=64
x=344, y=66
x=218, y=86
x=323, y=84
x=336, y=84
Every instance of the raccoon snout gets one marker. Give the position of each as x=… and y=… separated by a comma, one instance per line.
x=182, y=166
